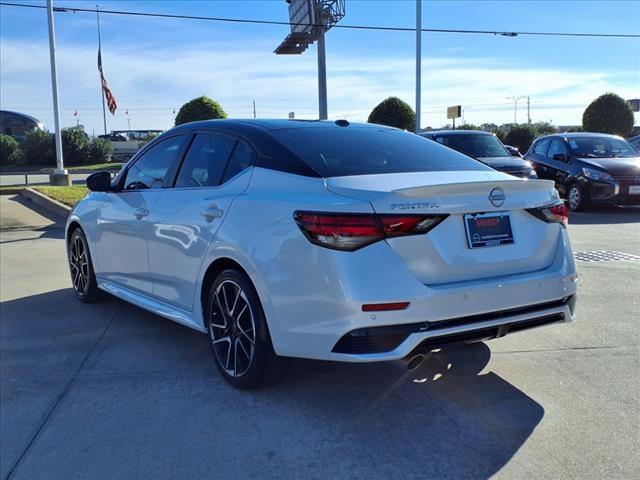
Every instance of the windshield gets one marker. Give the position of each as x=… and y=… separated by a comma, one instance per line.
x=601, y=147
x=364, y=150
x=474, y=145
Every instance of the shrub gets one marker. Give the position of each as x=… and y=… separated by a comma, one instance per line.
x=201, y=108
x=468, y=126
x=544, y=128
x=394, y=112
x=8, y=145
x=39, y=148
x=608, y=113
x=100, y=150
x=75, y=146
x=520, y=136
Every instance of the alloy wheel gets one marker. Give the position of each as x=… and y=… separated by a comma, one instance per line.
x=79, y=262
x=574, y=197
x=232, y=328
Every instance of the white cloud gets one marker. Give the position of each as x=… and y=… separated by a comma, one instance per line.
x=150, y=82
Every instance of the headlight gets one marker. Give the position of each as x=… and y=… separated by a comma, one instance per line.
x=597, y=175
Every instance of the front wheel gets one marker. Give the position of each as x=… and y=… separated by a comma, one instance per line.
x=575, y=198
x=238, y=333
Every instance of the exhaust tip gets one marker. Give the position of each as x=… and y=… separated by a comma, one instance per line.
x=415, y=362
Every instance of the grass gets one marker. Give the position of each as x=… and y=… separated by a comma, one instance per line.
x=96, y=167
x=67, y=195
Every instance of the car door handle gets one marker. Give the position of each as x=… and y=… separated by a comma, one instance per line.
x=140, y=213
x=211, y=213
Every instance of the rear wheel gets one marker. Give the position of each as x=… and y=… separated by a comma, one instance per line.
x=83, y=277
x=575, y=198
x=238, y=333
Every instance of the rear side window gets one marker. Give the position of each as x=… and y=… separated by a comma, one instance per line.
x=540, y=148
x=241, y=158
x=205, y=161
x=150, y=170
x=364, y=150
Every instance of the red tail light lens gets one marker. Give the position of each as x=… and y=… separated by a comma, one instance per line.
x=556, y=213
x=351, y=231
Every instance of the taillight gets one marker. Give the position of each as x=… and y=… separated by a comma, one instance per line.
x=350, y=231
x=556, y=213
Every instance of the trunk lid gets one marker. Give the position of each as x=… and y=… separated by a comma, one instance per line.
x=443, y=254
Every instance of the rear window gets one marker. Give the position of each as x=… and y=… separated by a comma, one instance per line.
x=356, y=150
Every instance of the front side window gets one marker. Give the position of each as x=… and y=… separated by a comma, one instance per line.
x=474, y=145
x=364, y=150
x=556, y=148
x=540, y=148
x=150, y=170
x=601, y=147
x=205, y=161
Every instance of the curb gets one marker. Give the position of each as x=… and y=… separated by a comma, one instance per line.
x=53, y=206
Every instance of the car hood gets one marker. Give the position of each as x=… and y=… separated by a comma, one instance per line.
x=506, y=162
x=615, y=166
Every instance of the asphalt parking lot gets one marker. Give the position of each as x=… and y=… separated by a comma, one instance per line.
x=111, y=391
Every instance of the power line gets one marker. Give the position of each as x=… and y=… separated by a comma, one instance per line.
x=350, y=27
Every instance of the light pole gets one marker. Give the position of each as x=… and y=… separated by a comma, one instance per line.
x=515, y=107
x=60, y=176
x=418, y=61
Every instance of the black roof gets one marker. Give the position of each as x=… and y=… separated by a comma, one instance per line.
x=455, y=132
x=237, y=125
x=579, y=135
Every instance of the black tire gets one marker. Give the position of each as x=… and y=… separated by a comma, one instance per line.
x=83, y=277
x=575, y=198
x=238, y=334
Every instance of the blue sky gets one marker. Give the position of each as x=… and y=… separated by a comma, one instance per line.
x=155, y=65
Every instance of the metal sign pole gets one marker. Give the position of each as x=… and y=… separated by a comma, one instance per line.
x=418, y=61
x=54, y=87
x=322, y=78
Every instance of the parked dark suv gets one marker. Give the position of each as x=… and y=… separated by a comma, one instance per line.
x=589, y=168
x=484, y=147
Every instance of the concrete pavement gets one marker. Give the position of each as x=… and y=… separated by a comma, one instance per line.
x=111, y=391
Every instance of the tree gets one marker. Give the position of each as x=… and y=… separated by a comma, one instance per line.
x=394, y=113
x=520, y=136
x=608, y=113
x=201, y=108
x=8, y=146
x=100, y=150
x=468, y=126
x=544, y=128
x=75, y=146
x=38, y=148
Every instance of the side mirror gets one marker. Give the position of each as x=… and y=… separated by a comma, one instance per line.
x=560, y=157
x=99, y=182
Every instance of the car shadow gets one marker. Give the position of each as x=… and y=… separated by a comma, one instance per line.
x=452, y=417
x=600, y=215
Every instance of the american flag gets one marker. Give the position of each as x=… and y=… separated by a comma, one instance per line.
x=111, y=101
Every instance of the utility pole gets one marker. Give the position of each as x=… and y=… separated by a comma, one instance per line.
x=528, y=110
x=254, y=109
x=418, y=61
x=322, y=77
x=515, y=107
x=60, y=175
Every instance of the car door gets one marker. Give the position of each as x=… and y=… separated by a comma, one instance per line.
x=558, y=160
x=537, y=156
x=122, y=227
x=214, y=171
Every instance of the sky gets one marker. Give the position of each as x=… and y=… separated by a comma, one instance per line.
x=155, y=65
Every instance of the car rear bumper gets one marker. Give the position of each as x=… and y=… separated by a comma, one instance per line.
x=311, y=310
x=395, y=342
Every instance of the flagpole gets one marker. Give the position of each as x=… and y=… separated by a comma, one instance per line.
x=104, y=113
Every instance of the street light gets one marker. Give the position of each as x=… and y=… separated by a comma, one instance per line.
x=515, y=107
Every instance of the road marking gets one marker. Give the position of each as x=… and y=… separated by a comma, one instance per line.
x=605, y=256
